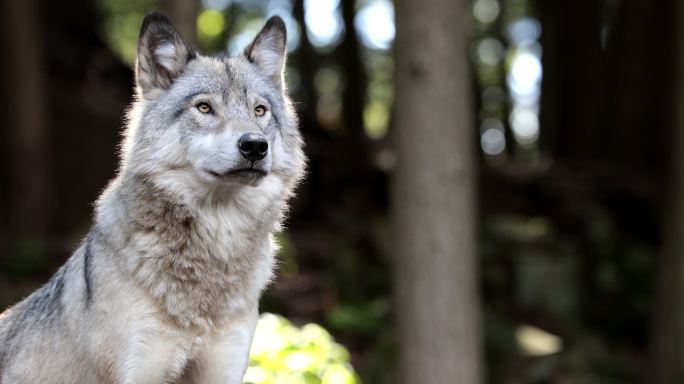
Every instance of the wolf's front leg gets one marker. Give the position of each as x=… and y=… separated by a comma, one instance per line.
x=225, y=358
x=153, y=358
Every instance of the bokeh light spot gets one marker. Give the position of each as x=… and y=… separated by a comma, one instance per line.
x=376, y=119
x=524, y=31
x=537, y=342
x=490, y=51
x=492, y=139
x=486, y=11
x=525, y=77
x=210, y=23
x=324, y=24
x=525, y=124
x=375, y=24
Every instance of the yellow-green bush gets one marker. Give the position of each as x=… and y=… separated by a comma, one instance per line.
x=284, y=354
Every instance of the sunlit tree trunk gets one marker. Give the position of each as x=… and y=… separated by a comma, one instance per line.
x=667, y=337
x=434, y=220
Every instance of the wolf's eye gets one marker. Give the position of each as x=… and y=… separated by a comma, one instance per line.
x=203, y=107
x=260, y=110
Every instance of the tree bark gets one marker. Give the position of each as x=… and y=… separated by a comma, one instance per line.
x=434, y=204
x=667, y=333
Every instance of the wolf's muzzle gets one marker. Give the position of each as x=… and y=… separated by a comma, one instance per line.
x=253, y=146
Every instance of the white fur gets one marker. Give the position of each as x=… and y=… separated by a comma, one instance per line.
x=166, y=55
x=270, y=60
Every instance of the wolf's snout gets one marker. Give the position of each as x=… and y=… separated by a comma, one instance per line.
x=253, y=146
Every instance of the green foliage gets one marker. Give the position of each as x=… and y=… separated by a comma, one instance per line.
x=283, y=353
x=122, y=20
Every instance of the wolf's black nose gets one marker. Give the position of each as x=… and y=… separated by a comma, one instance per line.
x=253, y=146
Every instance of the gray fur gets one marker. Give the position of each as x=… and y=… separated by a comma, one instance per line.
x=165, y=287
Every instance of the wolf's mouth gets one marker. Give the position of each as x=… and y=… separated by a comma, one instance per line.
x=247, y=171
x=240, y=171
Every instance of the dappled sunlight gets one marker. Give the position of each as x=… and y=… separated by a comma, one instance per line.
x=507, y=58
x=524, y=80
x=493, y=137
x=324, y=24
x=284, y=353
x=490, y=51
x=486, y=11
x=536, y=342
x=329, y=86
x=210, y=24
x=524, y=31
x=380, y=96
x=375, y=24
x=376, y=118
x=525, y=124
x=525, y=77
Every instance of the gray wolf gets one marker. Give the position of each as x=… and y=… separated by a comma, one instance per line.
x=165, y=287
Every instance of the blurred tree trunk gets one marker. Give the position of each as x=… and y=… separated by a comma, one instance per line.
x=573, y=90
x=580, y=74
x=640, y=50
x=307, y=64
x=26, y=133
x=433, y=197
x=354, y=98
x=183, y=14
x=667, y=333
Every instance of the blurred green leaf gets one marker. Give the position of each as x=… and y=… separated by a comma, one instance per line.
x=283, y=353
x=122, y=20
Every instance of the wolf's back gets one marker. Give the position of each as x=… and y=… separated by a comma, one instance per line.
x=29, y=327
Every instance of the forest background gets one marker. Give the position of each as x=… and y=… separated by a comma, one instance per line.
x=495, y=188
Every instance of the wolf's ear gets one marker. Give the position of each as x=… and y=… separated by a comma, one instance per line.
x=267, y=51
x=162, y=54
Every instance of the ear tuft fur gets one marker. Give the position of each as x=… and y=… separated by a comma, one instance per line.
x=267, y=50
x=162, y=54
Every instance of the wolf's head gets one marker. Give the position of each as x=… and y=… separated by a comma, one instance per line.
x=202, y=124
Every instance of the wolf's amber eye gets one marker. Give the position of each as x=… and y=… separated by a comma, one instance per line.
x=260, y=110
x=203, y=107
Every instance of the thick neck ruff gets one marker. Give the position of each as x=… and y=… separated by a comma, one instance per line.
x=205, y=264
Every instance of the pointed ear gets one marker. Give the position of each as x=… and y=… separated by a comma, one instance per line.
x=268, y=50
x=162, y=54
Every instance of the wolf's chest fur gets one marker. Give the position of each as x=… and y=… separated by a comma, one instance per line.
x=204, y=265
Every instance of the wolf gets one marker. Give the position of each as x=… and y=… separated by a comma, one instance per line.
x=165, y=286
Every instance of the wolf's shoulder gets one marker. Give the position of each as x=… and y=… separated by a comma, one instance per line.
x=44, y=303
x=41, y=308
